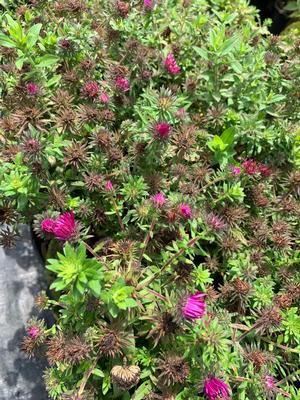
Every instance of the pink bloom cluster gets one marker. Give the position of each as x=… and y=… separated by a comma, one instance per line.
x=269, y=382
x=216, y=389
x=162, y=130
x=185, y=210
x=159, y=199
x=109, y=186
x=104, y=98
x=32, y=88
x=90, y=89
x=148, y=4
x=33, y=331
x=251, y=167
x=122, y=84
x=194, y=307
x=63, y=228
x=171, y=64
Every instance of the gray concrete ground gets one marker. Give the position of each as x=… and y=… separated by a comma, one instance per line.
x=21, y=277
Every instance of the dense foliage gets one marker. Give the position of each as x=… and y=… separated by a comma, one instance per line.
x=155, y=148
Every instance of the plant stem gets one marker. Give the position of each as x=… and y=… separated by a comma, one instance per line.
x=88, y=247
x=147, y=238
x=87, y=374
x=117, y=213
x=169, y=262
x=287, y=378
x=220, y=178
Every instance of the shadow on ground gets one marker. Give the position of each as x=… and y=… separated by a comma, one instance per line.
x=21, y=278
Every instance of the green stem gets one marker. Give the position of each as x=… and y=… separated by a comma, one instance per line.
x=169, y=262
x=211, y=183
x=117, y=213
x=147, y=238
x=87, y=375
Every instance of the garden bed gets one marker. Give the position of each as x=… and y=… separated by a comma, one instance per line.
x=154, y=149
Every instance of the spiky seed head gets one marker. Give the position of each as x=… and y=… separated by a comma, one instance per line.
x=173, y=369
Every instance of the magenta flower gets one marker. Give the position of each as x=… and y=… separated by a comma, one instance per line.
x=171, y=65
x=148, y=4
x=264, y=170
x=185, y=210
x=32, y=88
x=194, y=307
x=109, y=186
x=162, y=130
x=104, y=98
x=236, y=171
x=216, y=389
x=33, y=331
x=215, y=222
x=122, y=84
x=250, y=167
x=90, y=89
x=48, y=225
x=159, y=199
x=65, y=226
x=269, y=382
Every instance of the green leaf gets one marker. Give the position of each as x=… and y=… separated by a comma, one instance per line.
x=19, y=63
x=217, y=144
x=202, y=53
x=228, y=136
x=5, y=41
x=98, y=372
x=47, y=60
x=95, y=287
x=33, y=35
x=229, y=45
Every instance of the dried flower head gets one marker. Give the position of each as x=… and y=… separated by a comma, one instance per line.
x=125, y=377
x=173, y=369
x=90, y=90
x=76, y=350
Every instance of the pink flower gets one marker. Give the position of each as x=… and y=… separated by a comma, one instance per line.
x=194, y=307
x=162, y=130
x=215, y=222
x=90, y=89
x=269, y=382
x=32, y=88
x=264, y=170
x=122, y=84
x=65, y=226
x=159, y=199
x=104, y=98
x=109, y=186
x=216, y=389
x=180, y=113
x=250, y=167
x=148, y=4
x=33, y=331
x=171, y=65
x=48, y=225
x=185, y=210
x=236, y=171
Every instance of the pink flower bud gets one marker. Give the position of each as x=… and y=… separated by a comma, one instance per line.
x=109, y=186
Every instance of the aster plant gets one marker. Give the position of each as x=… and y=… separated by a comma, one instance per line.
x=153, y=146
